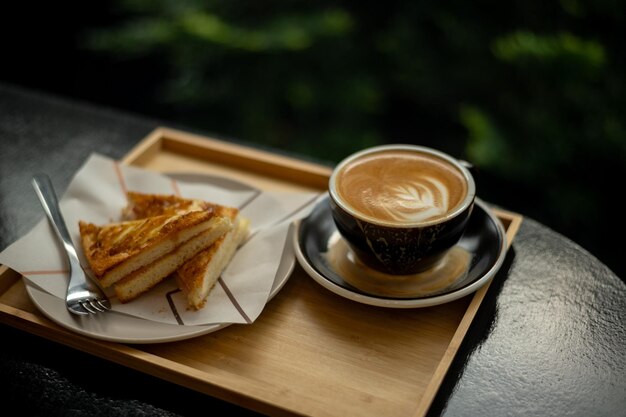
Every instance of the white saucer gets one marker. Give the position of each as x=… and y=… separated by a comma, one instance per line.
x=471, y=264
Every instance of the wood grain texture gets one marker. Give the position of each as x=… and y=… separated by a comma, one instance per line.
x=310, y=352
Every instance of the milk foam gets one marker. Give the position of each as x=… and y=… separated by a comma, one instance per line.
x=417, y=200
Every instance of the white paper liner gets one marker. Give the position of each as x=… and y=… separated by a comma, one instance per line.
x=97, y=194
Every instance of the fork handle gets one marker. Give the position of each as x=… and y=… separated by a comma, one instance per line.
x=48, y=198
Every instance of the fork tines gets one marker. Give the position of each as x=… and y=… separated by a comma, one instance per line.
x=95, y=306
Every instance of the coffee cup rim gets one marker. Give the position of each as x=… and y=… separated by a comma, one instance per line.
x=460, y=208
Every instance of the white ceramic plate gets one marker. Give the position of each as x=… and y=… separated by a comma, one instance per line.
x=118, y=327
x=484, y=239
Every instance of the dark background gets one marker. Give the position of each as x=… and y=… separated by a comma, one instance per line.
x=533, y=93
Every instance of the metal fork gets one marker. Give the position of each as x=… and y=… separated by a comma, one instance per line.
x=83, y=296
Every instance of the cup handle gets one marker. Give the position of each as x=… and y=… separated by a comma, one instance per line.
x=473, y=169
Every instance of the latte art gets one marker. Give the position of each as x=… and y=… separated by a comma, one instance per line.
x=401, y=187
x=417, y=200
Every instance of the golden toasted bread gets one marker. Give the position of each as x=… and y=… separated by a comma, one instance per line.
x=197, y=276
x=141, y=206
x=118, y=251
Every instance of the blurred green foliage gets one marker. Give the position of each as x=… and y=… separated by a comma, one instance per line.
x=533, y=93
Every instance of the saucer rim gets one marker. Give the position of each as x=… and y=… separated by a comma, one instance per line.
x=429, y=301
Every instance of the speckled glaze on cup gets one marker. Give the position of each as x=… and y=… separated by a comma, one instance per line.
x=414, y=245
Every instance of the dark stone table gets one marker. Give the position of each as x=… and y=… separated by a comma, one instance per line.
x=549, y=338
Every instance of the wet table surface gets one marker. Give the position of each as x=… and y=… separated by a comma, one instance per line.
x=549, y=338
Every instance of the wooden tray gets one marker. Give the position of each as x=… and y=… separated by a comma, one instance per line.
x=310, y=352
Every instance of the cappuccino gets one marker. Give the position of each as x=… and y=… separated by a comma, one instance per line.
x=400, y=208
x=399, y=186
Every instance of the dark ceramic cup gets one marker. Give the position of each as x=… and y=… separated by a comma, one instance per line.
x=400, y=207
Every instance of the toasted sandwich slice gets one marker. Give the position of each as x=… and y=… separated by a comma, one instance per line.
x=117, y=250
x=198, y=275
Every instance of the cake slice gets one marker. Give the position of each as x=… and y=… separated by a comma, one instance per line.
x=136, y=255
x=197, y=276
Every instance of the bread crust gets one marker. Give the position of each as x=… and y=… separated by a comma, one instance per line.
x=141, y=206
